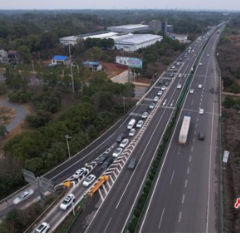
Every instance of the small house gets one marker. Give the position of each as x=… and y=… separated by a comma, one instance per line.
x=93, y=66
x=60, y=60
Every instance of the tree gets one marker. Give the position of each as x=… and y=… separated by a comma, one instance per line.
x=229, y=102
x=3, y=89
x=235, y=88
x=24, y=53
x=3, y=131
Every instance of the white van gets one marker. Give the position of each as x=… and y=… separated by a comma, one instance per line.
x=131, y=124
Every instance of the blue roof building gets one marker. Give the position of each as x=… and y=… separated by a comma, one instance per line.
x=60, y=59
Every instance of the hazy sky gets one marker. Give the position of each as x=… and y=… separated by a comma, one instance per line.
x=121, y=4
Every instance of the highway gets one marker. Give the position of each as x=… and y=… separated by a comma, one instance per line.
x=111, y=215
x=162, y=116
x=148, y=144
x=186, y=195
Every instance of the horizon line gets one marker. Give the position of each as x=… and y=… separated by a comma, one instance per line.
x=119, y=9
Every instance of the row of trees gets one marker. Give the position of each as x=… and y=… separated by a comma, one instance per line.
x=228, y=56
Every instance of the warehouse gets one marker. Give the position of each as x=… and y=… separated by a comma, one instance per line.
x=123, y=41
x=132, y=43
x=73, y=40
x=128, y=28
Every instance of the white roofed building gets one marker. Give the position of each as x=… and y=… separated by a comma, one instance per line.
x=128, y=28
x=132, y=43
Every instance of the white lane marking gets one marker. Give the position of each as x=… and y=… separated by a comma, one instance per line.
x=190, y=158
x=107, y=225
x=195, y=132
x=192, y=149
x=201, y=100
x=183, y=198
x=172, y=103
x=200, y=104
x=193, y=140
x=196, y=126
x=160, y=222
x=186, y=183
x=197, y=119
x=180, y=217
x=188, y=170
x=102, y=198
x=192, y=103
x=172, y=177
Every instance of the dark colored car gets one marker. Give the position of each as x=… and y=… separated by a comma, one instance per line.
x=166, y=84
x=107, y=163
x=120, y=138
x=161, y=82
x=132, y=163
x=201, y=136
x=101, y=159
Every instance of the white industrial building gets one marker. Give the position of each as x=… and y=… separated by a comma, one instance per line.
x=132, y=43
x=128, y=28
x=127, y=42
x=72, y=40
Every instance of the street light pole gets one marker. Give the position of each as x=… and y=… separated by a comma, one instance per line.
x=68, y=137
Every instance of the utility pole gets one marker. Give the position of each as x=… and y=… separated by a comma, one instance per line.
x=68, y=137
x=33, y=68
x=70, y=56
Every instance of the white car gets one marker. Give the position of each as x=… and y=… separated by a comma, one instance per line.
x=208, y=55
x=69, y=199
x=89, y=180
x=156, y=99
x=178, y=63
x=180, y=75
x=80, y=172
x=132, y=132
x=139, y=124
x=200, y=64
x=117, y=152
x=191, y=91
x=124, y=143
x=199, y=85
x=179, y=86
x=42, y=228
x=201, y=111
x=144, y=115
x=160, y=93
x=152, y=106
x=23, y=196
x=163, y=88
x=173, y=67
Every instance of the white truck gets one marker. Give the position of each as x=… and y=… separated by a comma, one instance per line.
x=184, y=130
x=131, y=124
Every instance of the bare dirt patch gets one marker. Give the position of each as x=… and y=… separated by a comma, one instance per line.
x=113, y=69
x=6, y=115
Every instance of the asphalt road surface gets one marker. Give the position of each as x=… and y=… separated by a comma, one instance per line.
x=20, y=113
x=112, y=214
x=186, y=196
